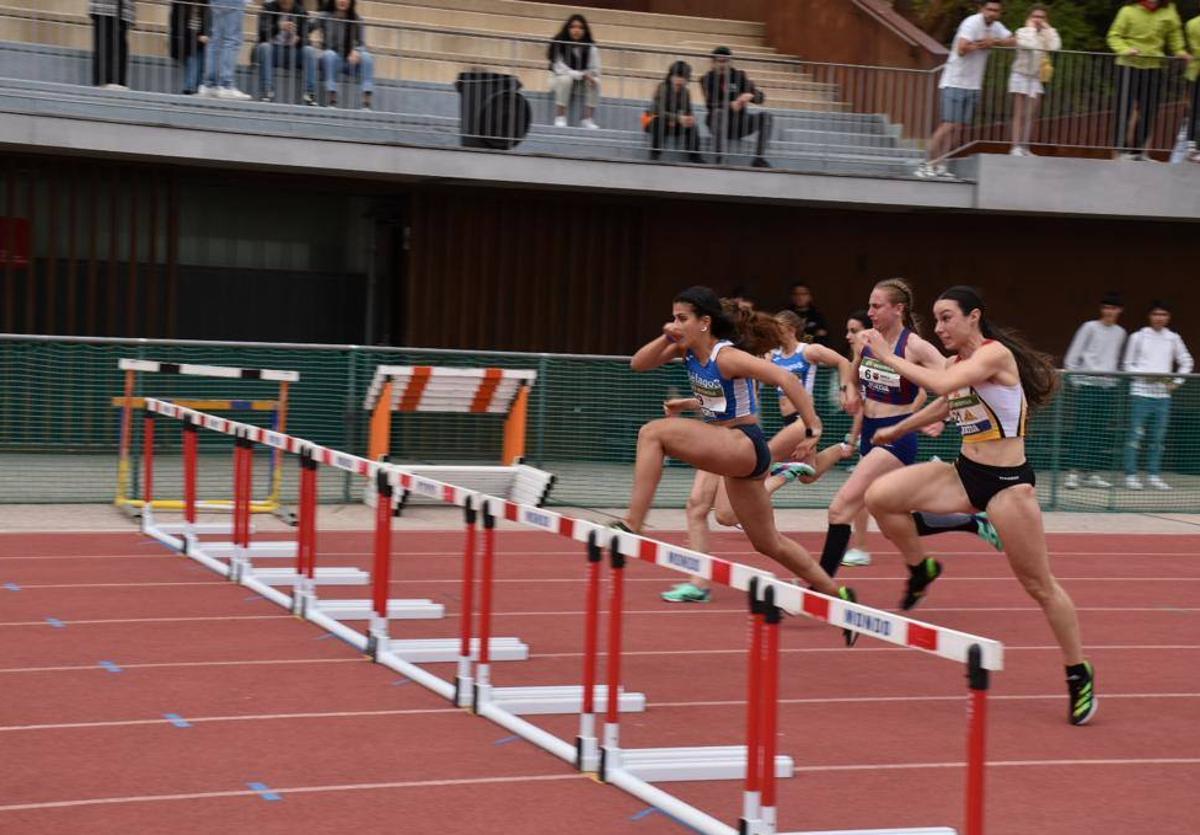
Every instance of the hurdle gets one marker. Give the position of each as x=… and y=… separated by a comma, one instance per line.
x=480, y=391
x=129, y=402
x=600, y=704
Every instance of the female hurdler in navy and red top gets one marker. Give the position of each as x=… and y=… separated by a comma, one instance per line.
x=987, y=388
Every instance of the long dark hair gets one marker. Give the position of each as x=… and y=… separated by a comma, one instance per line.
x=752, y=331
x=563, y=38
x=1039, y=377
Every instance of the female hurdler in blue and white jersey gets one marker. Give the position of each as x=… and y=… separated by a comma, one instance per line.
x=730, y=441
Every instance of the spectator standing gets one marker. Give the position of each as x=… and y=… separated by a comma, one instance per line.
x=574, y=58
x=1096, y=346
x=962, y=81
x=1193, y=77
x=111, y=22
x=670, y=113
x=341, y=34
x=283, y=42
x=1035, y=40
x=224, y=43
x=728, y=94
x=1155, y=350
x=801, y=303
x=191, y=25
x=1141, y=35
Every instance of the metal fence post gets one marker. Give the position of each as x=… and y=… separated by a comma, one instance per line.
x=350, y=438
x=540, y=427
x=1056, y=444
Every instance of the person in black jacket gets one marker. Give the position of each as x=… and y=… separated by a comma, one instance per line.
x=341, y=34
x=670, y=113
x=727, y=94
x=283, y=42
x=191, y=25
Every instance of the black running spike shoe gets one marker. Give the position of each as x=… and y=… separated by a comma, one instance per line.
x=1081, y=685
x=847, y=594
x=919, y=578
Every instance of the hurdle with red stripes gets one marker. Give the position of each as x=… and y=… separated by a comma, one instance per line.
x=599, y=704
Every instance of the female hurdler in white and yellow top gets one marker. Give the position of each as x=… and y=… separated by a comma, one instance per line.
x=987, y=387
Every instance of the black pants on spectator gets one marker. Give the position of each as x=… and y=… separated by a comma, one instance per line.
x=1194, y=115
x=661, y=128
x=1143, y=88
x=110, y=56
x=736, y=124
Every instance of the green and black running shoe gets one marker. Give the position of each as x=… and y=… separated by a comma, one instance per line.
x=919, y=578
x=687, y=593
x=1081, y=685
x=987, y=531
x=619, y=525
x=847, y=594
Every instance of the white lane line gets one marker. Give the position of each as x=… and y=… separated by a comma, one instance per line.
x=1000, y=764
x=148, y=620
x=159, y=554
x=401, y=784
x=346, y=714
x=861, y=649
x=25, y=586
x=574, y=612
x=181, y=664
x=885, y=699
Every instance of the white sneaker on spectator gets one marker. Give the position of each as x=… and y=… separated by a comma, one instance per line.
x=1096, y=481
x=1018, y=151
x=205, y=90
x=942, y=172
x=1072, y=482
x=589, y=124
x=115, y=87
x=925, y=171
x=1132, y=483
x=560, y=121
x=1157, y=483
x=233, y=94
x=856, y=557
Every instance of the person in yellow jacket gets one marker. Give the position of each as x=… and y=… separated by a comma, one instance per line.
x=1193, y=77
x=1143, y=35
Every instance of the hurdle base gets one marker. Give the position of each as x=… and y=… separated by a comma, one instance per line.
x=322, y=576
x=567, y=698
x=421, y=609
x=669, y=765
x=198, y=528
x=920, y=830
x=438, y=650
x=256, y=551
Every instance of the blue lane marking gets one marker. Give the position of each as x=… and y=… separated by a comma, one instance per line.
x=110, y=666
x=255, y=597
x=12, y=587
x=323, y=637
x=263, y=791
x=177, y=720
x=645, y=813
x=506, y=740
x=399, y=682
x=655, y=810
x=56, y=623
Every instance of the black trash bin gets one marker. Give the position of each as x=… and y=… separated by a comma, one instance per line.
x=492, y=111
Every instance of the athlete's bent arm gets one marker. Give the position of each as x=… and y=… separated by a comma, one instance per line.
x=657, y=352
x=981, y=366
x=737, y=363
x=935, y=412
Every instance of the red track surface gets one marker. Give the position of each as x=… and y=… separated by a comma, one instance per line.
x=877, y=732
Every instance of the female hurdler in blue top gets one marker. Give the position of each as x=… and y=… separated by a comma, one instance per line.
x=729, y=442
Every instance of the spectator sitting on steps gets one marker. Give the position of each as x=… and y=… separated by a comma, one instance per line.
x=728, y=94
x=341, y=33
x=574, y=58
x=283, y=42
x=670, y=113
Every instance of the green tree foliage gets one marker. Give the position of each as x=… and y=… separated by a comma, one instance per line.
x=1083, y=24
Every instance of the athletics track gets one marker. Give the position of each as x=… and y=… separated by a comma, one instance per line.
x=143, y=693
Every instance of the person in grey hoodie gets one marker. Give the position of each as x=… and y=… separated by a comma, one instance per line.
x=1160, y=353
x=1096, y=347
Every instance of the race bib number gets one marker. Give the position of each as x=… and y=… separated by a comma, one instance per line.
x=878, y=376
x=711, y=396
x=973, y=418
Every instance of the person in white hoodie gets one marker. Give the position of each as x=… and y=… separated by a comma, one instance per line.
x=1158, y=351
x=574, y=58
x=1034, y=40
x=1096, y=347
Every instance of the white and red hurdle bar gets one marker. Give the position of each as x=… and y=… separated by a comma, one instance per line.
x=633, y=770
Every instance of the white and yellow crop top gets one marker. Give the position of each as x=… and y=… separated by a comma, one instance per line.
x=989, y=412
